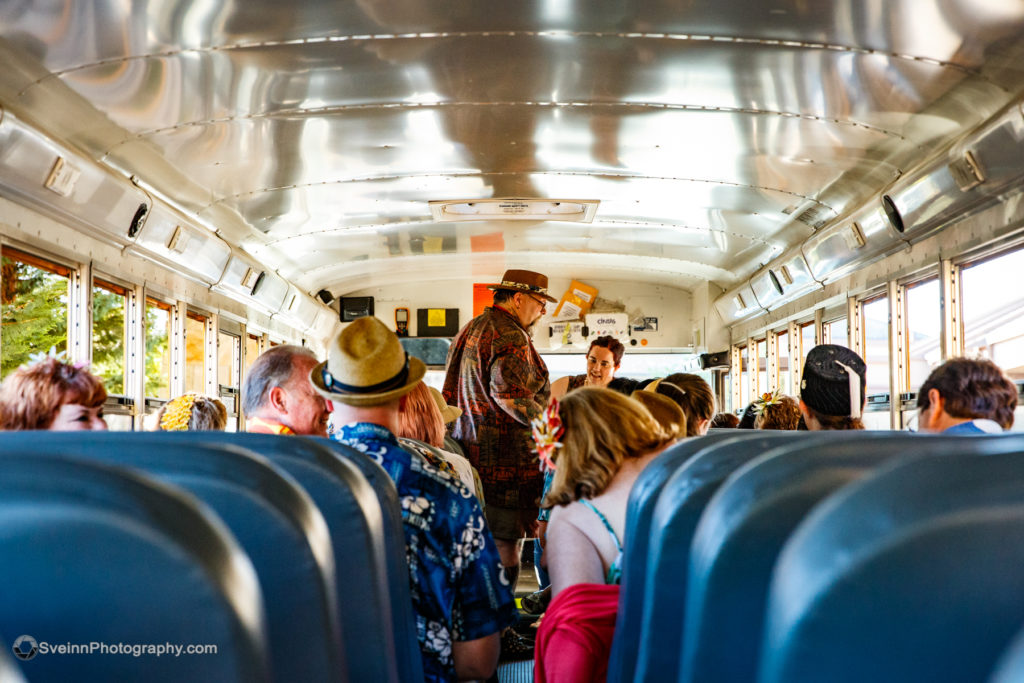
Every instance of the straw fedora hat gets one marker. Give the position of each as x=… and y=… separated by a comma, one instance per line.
x=448, y=413
x=525, y=281
x=366, y=366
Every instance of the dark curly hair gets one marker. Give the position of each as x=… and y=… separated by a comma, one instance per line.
x=972, y=388
x=610, y=343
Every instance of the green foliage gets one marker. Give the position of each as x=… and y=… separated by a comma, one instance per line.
x=157, y=353
x=108, y=359
x=35, y=313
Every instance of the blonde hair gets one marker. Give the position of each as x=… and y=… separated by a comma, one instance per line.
x=421, y=419
x=192, y=412
x=663, y=409
x=602, y=429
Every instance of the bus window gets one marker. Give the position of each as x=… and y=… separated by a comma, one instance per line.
x=992, y=315
x=993, y=312
x=108, y=348
x=835, y=332
x=744, y=377
x=35, y=308
x=922, y=317
x=782, y=346
x=229, y=350
x=252, y=351
x=158, y=349
x=762, y=367
x=876, y=344
x=195, y=353
x=806, y=341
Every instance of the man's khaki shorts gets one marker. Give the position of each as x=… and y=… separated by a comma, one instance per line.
x=511, y=524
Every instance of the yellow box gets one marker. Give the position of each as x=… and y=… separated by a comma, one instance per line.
x=576, y=302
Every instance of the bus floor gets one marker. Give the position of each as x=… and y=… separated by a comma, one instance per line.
x=522, y=671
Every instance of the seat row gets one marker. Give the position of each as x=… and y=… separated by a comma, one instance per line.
x=785, y=557
x=285, y=553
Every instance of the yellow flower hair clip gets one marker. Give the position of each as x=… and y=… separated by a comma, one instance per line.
x=178, y=413
x=767, y=399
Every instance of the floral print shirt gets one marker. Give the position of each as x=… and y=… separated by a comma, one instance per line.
x=459, y=589
x=500, y=382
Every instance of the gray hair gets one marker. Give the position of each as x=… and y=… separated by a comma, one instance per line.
x=272, y=369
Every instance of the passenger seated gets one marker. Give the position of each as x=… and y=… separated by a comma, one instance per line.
x=603, y=360
x=777, y=411
x=725, y=421
x=449, y=414
x=461, y=598
x=599, y=441
x=693, y=395
x=966, y=396
x=54, y=395
x=832, y=389
x=277, y=397
x=420, y=423
x=192, y=412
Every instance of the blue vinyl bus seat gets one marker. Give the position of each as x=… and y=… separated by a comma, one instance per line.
x=910, y=574
x=1010, y=668
x=392, y=567
x=639, y=510
x=352, y=507
x=9, y=671
x=271, y=516
x=745, y=525
x=674, y=519
x=738, y=539
x=90, y=553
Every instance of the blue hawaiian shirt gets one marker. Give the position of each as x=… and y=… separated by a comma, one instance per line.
x=459, y=590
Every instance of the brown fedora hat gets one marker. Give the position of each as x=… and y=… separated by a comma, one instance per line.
x=525, y=281
x=366, y=366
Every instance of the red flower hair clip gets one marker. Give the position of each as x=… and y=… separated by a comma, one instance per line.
x=547, y=430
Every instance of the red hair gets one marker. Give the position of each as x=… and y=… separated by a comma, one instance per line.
x=31, y=395
x=421, y=419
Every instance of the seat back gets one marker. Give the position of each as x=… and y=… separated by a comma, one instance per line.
x=270, y=515
x=639, y=510
x=393, y=593
x=94, y=554
x=909, y=574
x=1010, y=668
x=674, y=519
x=740, y=534
x=352, y=508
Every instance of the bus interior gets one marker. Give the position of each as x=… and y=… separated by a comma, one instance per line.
x=722, y=185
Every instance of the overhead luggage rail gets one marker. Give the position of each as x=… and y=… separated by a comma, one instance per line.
x=273, y=518
x=909, y=574
x=94, y=554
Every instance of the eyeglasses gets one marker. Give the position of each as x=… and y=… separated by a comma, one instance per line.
x=542, y=302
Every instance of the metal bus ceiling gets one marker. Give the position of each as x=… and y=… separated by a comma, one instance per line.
x=716, y=134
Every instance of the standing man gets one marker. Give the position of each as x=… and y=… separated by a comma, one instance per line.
x=498, y=380
x=277, y=397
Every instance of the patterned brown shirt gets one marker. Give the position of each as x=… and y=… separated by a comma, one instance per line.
x=501, y=383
